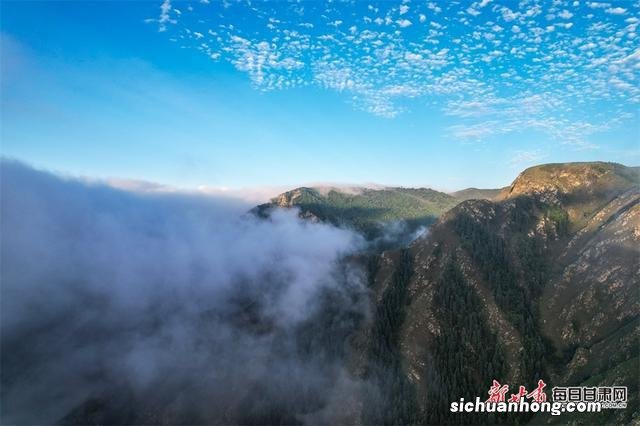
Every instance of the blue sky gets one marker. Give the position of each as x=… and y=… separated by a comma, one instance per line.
x=244, y=94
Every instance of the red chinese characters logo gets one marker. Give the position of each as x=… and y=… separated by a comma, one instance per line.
x=497, y=393
x=516, y=397
x=538, y=394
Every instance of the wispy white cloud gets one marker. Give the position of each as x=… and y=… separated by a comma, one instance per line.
x=510, y=67
x=598, y=5
x=616, y=10
x=165, y=16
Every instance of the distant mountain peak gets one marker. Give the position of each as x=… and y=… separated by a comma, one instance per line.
x=580, y=189
x=477, y=193
x=566, y=178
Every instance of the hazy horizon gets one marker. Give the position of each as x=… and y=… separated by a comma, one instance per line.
x=248, y=194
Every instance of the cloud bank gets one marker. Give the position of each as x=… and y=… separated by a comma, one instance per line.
x=122, y=307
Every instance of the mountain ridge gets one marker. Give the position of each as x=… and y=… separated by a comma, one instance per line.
x=542, y=283
x=367, y=210
x=477, y=193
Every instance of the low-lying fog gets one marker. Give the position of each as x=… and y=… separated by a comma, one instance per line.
x=167, y=307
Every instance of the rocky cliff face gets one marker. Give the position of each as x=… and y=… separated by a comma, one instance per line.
x=543, y=283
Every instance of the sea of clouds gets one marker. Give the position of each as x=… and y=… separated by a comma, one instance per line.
x=131, y=307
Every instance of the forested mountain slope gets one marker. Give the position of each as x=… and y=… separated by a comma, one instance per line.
x=541, y=284
x=366, y=209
